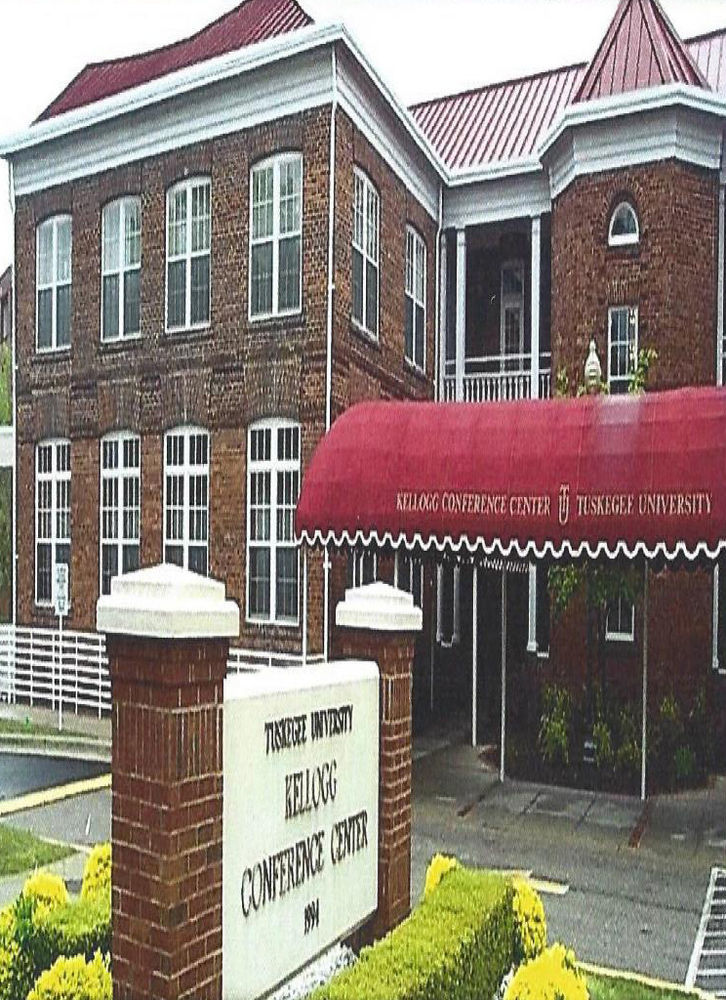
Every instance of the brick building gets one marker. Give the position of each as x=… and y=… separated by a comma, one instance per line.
x=222, y=244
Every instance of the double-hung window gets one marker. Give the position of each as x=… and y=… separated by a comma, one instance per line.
x=415, y=299
x=276, y=236
x=188, y=252
x=52, y=514
x=186, y=498
x=620, y=621
x=273, y=484
x=366, y=223
x=121, y=268
x=511, y=316
x=120, y=506
x=622, y=347
x=53, y=281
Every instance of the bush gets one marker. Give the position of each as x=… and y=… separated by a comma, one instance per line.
x=456, y=945
x=603, y=745
x=555, y=725
x=74, y=979
x=9, y=955
x=97, y=871
x=81, y=927
x=553, y=975
x=47, y=890
x=16, y=963
x=530, y=926
x=439, y=865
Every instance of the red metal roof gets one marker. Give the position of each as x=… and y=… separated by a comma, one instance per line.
x=640, y=49
x=250, y=22
x=487, y=125
x=615, y=475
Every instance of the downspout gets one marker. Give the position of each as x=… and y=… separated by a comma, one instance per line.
x=329, y=343
x=14, y=368
x=721, y=262
x=437, y=318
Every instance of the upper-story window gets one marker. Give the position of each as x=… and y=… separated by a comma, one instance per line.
x=52, y=514
x=620, y=622
x=121, y=269
x=366, y=225
x=624, y=228
x=511, y=316
x=276, y=236
x=53, y=270
x=186, y=498
x=273, y=484
x=120, y=506
x=415, y=299
x=622, y=347
x=188, y=252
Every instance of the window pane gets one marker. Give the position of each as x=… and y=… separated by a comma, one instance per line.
x=201, y=217
x=174, y=554
x=357, y=285
x=290, y=196
x=45, y=253
x=63, y=316
x=409, y=328
x=420, y=288
x=200, y=289
x=371, y=322
x=372, y=226
x=132, y=234
x=198, y=559
x=43, y=573
x=109, y=567
x=64, y=250
x=261, y=303
x=177, y=224
x=111, y=236
x=177, y=292
x=420, y=337
x=130, y=558
x=110, y=306
x=45, y=318
x=289, y=279
x=358, y=213
x=132, y=302
x=286, y=592
x=260, y=582
x=262, y=202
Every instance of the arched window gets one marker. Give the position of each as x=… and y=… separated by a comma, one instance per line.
x=624, y=228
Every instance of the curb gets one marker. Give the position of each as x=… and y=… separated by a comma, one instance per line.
x=49, y=795
x=80, y=747
x=637, y=977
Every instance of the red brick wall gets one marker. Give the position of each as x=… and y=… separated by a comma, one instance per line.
x=222, y=378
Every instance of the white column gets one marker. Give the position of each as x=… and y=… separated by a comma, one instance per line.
x=644, y=733
x=474, y=650
x=716, y=585
x=535, y=273
x=439, y=602
x=503, y=732
x=460, y=311
x=443, y=286
x=532, y=622
x=455, y=638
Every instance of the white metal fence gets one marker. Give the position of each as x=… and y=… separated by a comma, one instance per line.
x=39, y=667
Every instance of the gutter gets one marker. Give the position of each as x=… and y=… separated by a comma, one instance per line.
x=14, y=392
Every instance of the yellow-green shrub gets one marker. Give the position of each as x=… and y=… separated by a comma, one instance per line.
x=456, y=945
x=529, y=922
x=46, y=889
x=8, y=953
x=16, y=963
x=81, y=927
x=97, y=871
x=74, y=979
x=439, y=865
x=553, y=975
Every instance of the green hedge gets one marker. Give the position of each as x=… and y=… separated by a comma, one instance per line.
x=456, y=945
x=80, y=927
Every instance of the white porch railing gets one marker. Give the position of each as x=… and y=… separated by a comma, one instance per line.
x=39, y=667
x=497, y=378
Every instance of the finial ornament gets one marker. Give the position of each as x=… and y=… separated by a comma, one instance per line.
x=593, y=370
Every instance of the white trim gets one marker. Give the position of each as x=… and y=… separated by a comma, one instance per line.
x=535, y=293
x=715, y=617
x=499, y=196
x=329, y=321
x=441, y=315
x=532, y=610
x=121, y=473
x=623, y=239
x=271, y=466
x=416, y=242
x=14, y=379
x=460, y=320
x=275, y=237
x=187, y=185
x=185, y=471
x=123, y=268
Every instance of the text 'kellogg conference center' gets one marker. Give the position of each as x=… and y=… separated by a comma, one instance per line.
x=222, y=245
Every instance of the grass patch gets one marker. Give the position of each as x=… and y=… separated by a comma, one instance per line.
x=11, y=727
x=21, y=851
x=620, y=988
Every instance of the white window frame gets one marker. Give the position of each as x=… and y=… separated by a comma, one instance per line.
x=187, y=185
x=415, y=283
x=510, y=300
x=363, y=246
x=617, y=635
x=276, y=162
x=623, y=239
x=124, y=204
x=54, y=284
x=187, y=471
x=55, y=476
x=123, y=473
x=622, y=379
x=274, y=465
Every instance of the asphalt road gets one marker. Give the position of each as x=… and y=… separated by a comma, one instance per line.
x=23, y=773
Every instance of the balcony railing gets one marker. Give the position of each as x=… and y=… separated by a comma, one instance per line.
x=498, y=377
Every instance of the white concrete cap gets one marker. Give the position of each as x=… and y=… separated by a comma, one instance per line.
x=167, y=602
x=380, y=608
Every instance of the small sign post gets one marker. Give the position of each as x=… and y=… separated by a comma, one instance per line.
x=60, y=603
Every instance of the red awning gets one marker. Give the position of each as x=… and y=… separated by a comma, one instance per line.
x=612, y=475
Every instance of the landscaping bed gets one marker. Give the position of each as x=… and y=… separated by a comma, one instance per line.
x=21, y=851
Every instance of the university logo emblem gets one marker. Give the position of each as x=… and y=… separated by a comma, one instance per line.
x=564, y=504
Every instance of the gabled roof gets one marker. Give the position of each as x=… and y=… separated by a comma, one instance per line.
x=640, y=49
x=505, y=122
x=252, y=21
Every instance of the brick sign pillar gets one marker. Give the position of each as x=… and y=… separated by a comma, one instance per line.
x=168, y=636
x=378, y=622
